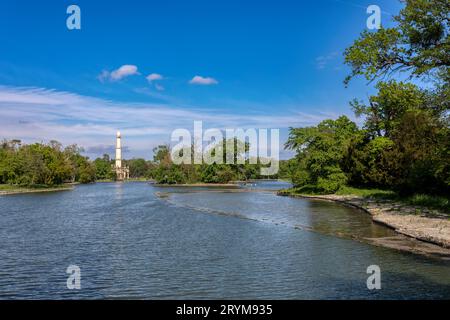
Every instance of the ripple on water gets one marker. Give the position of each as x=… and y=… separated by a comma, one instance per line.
x=131, y=244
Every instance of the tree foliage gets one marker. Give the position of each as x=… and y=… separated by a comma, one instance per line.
x=103, y=168
x=43, y=164
x=404, y=143
x=320, y=151
x=418, y=44
x=167, y=172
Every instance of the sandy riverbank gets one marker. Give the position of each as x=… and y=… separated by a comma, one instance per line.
x=426, y=225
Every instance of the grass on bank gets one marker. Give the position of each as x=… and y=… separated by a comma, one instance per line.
x=422, y=200
x=18, y=188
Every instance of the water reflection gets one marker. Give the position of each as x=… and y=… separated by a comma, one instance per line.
x=119, y=190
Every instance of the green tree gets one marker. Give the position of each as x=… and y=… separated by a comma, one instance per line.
x=42, y=164
x=103, y=168
x=366, y=161
x=418, y=44
x=138, y=167
x=421, y=152
x=169, y=174
x=384, y=110
x=405, y=145
x=320, y=151
x=161, y=154
x=163, y=170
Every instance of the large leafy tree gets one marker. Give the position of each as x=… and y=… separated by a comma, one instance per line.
x=103, y=168
x=320, y=151
x=138, y=167
x=384, y=110
x=404, y=144
x=418, y=44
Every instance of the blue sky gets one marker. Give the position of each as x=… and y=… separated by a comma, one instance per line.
x=263, y=64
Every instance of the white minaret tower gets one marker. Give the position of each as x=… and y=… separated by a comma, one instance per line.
x=122, y=172
x=118, y=151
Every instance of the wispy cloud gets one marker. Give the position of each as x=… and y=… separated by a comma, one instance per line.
x=39, y=114
x=199, y=80
x=154, y=76
x=108, y=149
x=124, y=71
x=361, y=6
x=323, y=61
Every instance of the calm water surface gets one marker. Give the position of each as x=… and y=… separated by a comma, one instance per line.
x=134, y=240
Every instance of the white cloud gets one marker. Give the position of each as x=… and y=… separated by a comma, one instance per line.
x=203, y=81
x=323, y=61
x=124, y=71
x=154, y=76
x=103, y=76
x=39, y=114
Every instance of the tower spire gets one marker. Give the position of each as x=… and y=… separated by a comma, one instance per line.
x=122, y=172
x=118, y=151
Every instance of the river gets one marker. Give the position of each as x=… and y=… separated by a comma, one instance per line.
x=136, y=240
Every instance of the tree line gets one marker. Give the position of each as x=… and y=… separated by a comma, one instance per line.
x=404, y=142
x=165, y=171
x=40, y=164
x=51, y=164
